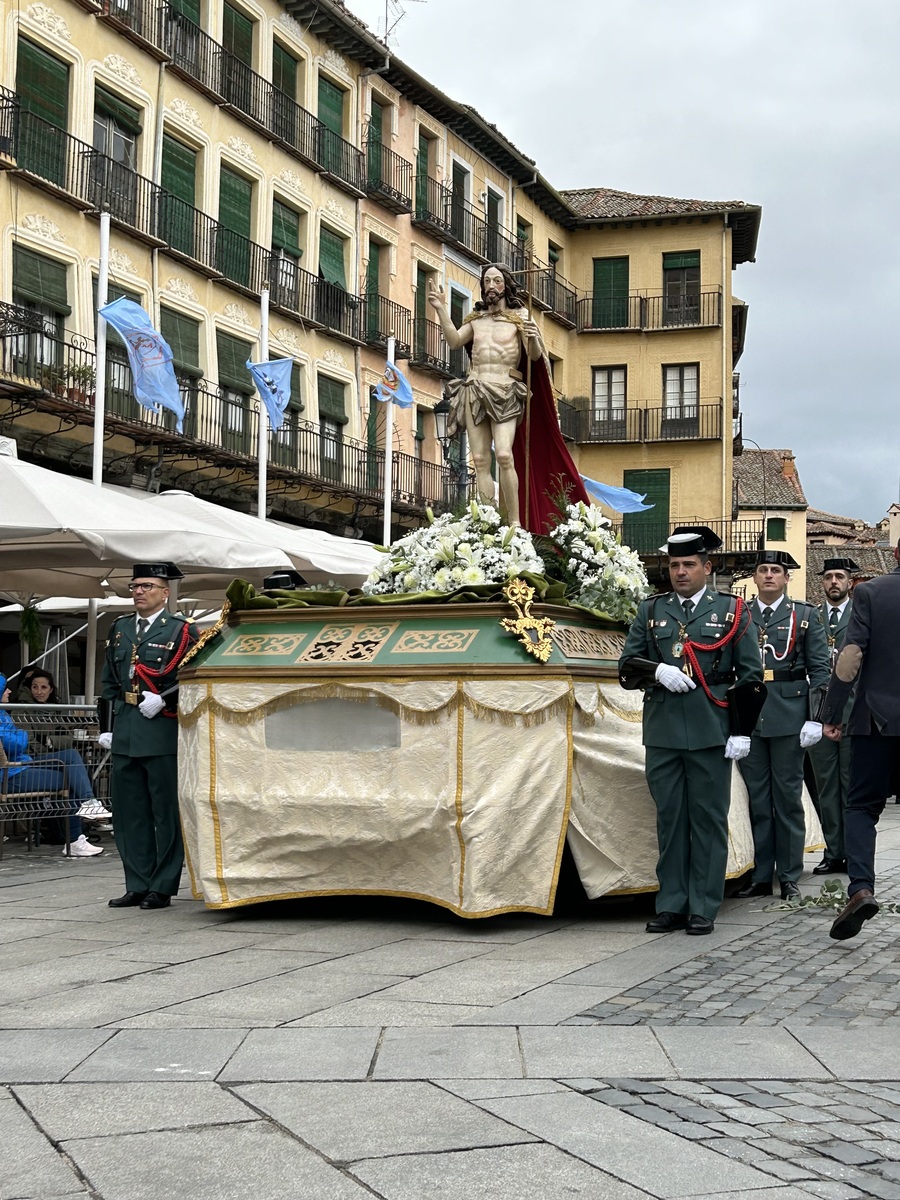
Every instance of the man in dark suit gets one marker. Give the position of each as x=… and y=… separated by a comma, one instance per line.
x=831, y=760
x=869, y=659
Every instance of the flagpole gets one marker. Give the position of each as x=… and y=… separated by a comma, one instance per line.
x=263, y=411
x=388, y=453
x=90, y=663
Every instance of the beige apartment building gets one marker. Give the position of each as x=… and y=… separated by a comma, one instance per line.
x=249, y=144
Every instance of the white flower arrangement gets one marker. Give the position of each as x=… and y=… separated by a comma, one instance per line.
x=455, y=552
x=602, y=573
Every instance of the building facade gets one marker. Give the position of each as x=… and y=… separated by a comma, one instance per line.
x=768, y=490
x=248, y=144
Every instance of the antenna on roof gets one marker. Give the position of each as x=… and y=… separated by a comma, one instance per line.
x=394, y=12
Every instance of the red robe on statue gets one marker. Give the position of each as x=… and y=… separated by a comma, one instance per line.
x=551, y=467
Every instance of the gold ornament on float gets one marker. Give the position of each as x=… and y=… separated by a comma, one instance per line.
x=533, y=632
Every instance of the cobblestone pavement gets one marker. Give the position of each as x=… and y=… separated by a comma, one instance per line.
x=838, y=1141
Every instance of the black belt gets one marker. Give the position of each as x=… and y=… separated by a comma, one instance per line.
x=720, y=677
x=785, y=675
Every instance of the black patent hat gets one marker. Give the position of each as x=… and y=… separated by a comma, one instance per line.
x=779, y=558
x=156, y=570
x=685, y=540
x=839, y=564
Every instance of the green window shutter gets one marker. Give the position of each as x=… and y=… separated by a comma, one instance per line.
x=187, y=8
x=420, y=425
x=422, y=306
x=125, y=115
x=331, y=399
x=296, y=401
x=647, y=530
x=683, y=258
x=553, y=256
x=457, y=307
x=183, y=335
x=42, y=83
x=610, y=298
x=376, y=122
x=40, y=280
x=373, y=270
x=493, y=210
x=232, y=354
x=237, y=35
x=284, y=71
x=460, y=175
x=179, y=170
x=285, y=229
x=331, y=106
x=422, y=155
x=235, y=197
x=776, y=529
x=331, y=258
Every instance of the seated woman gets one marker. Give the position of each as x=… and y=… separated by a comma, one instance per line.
x=45, y=773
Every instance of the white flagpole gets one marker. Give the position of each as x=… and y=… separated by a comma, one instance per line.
x=90, y=672
x=388, y=453
x=263, y=411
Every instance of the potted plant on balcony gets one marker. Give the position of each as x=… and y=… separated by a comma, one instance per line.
x=53, y=378
x=81, y=382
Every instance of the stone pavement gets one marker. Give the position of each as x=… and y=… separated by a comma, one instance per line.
x=352, y=1048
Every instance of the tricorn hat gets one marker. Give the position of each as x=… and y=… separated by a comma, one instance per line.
x=780, y=558
x=156, y=570
x=691, y=539
x=839, y=564
x=286, y=580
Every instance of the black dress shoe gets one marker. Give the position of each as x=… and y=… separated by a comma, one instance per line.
x=789, y=891
x=849, y=921
x=831, y=866
x=667, y=922
x=699, y=925
x=129, y=900
x=753, y=889
x=156, y=900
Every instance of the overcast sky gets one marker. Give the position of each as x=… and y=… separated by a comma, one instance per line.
x=790, y=104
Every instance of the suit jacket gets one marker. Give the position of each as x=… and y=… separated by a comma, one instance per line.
x=835, y=638
x=787, y=701
x=133, y=733
x=870, y=659
x=690, y=720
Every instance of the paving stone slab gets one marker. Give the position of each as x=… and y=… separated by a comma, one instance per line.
x=716, y=1051
x=84, y=1110
x=481, y=1089
x=31, y=1168
x=455, y=1053
x=520, y=1173
x=546, y=1005
x=404, y=1014
x=45, y=1055
x=348, y=1121
x=484, y=980
x=857, y=1053
x=153, y=1055
x=572, y=1051
x=414, y=956
x=300, y=1054
x=240, y=1162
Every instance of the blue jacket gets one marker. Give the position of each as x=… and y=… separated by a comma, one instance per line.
x=14, y=741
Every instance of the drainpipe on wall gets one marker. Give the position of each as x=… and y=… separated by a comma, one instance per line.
x=726, y=374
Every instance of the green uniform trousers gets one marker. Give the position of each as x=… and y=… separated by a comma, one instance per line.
x=773, y=773
x=692, y=792
x=831, y=767
x=146, y=822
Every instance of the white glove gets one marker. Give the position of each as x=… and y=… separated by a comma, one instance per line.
x=673, y=679
x=810, y=734
x=151, y=704
x=737, y=748
x=104, y=741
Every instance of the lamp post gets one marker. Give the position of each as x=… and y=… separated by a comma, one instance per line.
x=441, y=413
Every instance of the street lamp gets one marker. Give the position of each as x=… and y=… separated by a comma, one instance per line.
x=441, y=416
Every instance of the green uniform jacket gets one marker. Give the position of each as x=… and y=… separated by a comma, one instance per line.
x=787, y=701
x=690, y=720
x=835, y=638
x=133, y=733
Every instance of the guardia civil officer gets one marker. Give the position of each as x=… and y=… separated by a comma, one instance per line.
x=140, y=706
x=831, y=759
x=687, y=649
x=794, y=654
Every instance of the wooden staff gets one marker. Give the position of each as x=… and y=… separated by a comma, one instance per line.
x=529, y=271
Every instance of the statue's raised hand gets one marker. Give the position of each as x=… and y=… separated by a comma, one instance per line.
x=530, y=329
x=436, y=297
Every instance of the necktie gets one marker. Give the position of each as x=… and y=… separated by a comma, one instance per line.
x=833, y=618
x=767, y=614
x=688, y=606
x=143, y=626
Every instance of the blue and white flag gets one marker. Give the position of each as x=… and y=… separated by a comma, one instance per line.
x=619, y=499
x=149, y=357
x=273, y=382
x=394, y=386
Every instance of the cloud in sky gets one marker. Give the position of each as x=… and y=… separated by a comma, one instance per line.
x=794, y=106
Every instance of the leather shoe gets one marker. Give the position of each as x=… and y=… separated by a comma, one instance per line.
x=156, y=900
x=753, y=889
x=667, y=922
x=789, y=891
x=849, y=921
x=129, y=900
x=698, y=925
x=831, y=866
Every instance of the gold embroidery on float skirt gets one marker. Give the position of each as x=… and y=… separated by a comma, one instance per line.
x=348, y=643
x=435, y=641
x=460, y=728
x=574, y=642
x=217, y=829
x=264, y=645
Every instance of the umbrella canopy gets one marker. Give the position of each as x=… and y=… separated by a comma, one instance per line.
x=63, y=536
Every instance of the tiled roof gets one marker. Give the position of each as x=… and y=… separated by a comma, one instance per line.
x=871, y=560
x=760, y=481
x=607, y=202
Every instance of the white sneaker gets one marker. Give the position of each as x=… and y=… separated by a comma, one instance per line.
x=106, y=827
x=82, y=848
x=93, y=810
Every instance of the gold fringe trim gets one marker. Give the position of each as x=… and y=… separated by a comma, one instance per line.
x=214, y=807
x=265, y=898
x=633, y=718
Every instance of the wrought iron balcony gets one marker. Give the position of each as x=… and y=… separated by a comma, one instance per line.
x=646, y=533
x=388, y=177
x=568, y=420
x=649, y=313
x=648, y=423
x=429, y=350
x=551, y=293
x=431, y=210
x=383, y=319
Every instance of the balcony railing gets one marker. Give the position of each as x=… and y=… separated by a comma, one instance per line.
x=568, y=420
x=647, y=534
x=429, y=350
x=431, y=208
x=43, y=150
x=383, y=319
x=553, y=294
x=389, y=178
x=648, y=423
x=648, y=313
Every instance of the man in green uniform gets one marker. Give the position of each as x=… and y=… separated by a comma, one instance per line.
x=794, y=654
x=686, y=649
x=830, y=759
x=140, y=708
